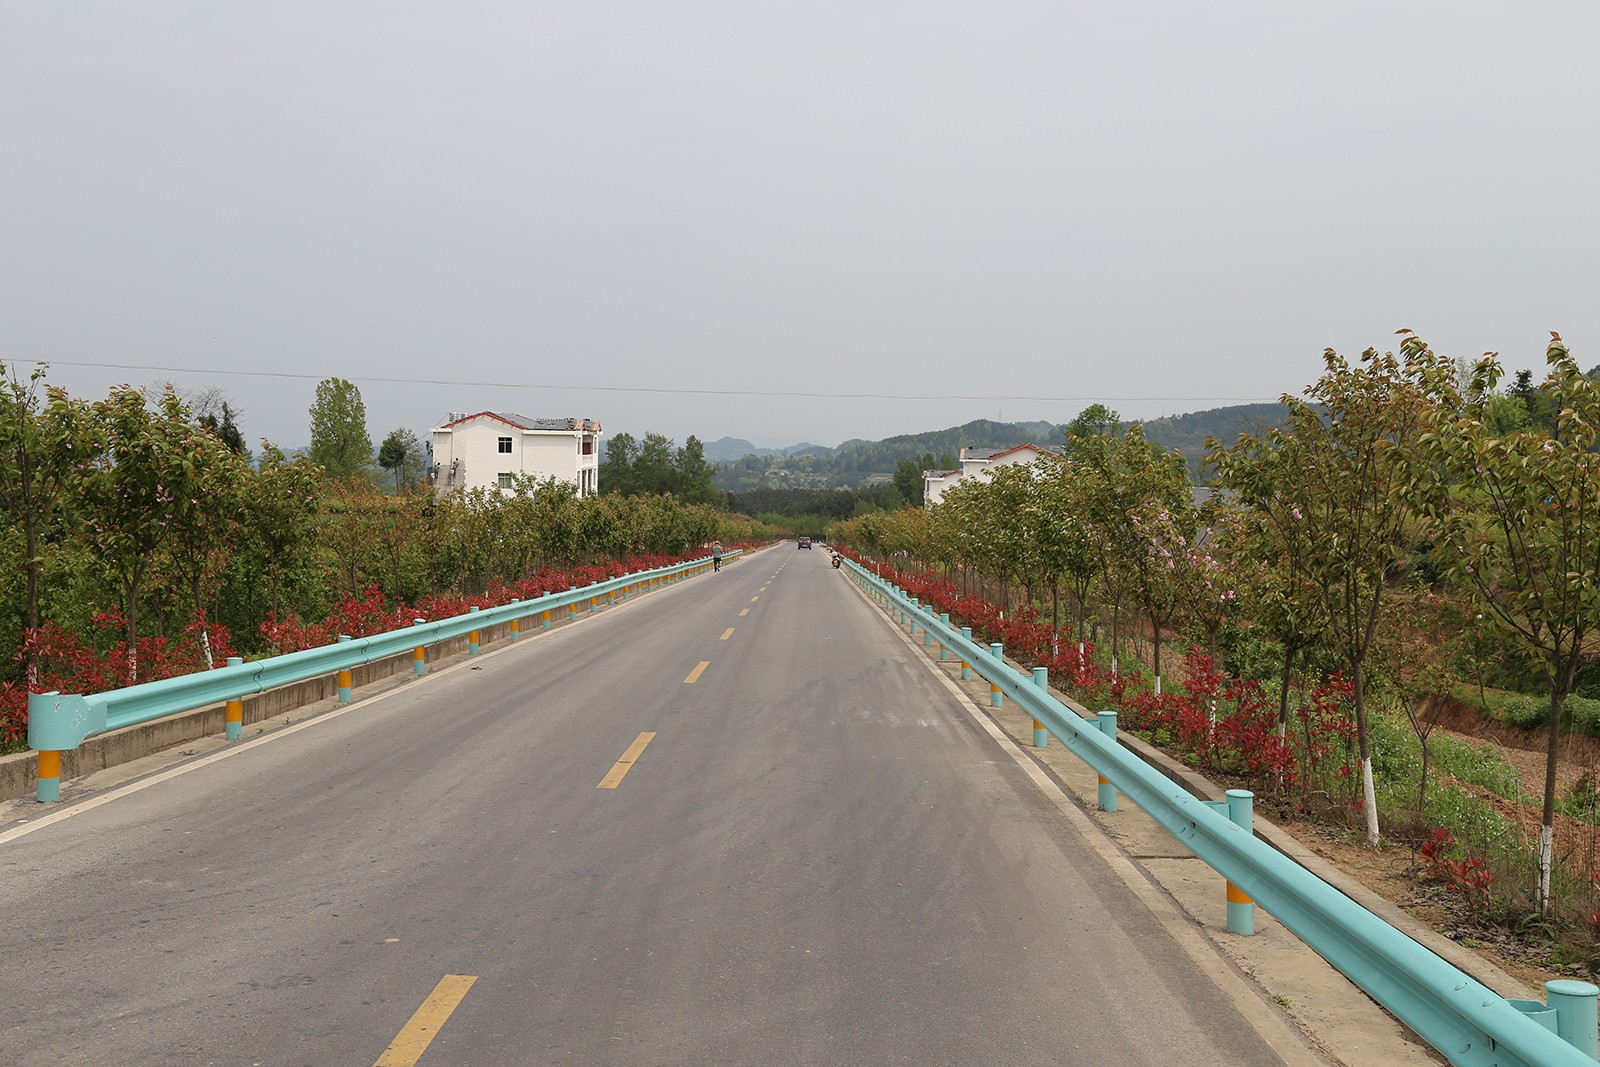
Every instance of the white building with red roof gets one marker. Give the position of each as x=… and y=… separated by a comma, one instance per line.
x=489, y=449
x=975, y=463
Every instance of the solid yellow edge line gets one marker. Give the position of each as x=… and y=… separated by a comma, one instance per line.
x=694, y=675
x=613, y=777
x=418, y=1033
x=726, y=634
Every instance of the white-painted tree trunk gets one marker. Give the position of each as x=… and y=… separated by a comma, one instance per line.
x=1369, y=802
x=1546, y=862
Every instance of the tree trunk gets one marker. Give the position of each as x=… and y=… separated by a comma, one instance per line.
x=1547, y=817
x=31, y=531
x=1155, y=651
x=1369, y=793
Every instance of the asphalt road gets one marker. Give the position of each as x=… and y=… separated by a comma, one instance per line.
x=809, y=853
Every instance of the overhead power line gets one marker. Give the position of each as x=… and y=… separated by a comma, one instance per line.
x=676, y=390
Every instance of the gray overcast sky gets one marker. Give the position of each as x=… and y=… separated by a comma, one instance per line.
x=1170, y=206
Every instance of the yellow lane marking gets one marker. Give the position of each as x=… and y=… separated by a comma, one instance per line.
x=754, y=599
x=613, y=777
x=694, y=675
x=726, y=634
x=415, y=1037
x=744, y=612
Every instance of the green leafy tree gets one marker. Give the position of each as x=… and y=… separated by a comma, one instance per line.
x=339, y=441
x=207, y=480
x=279, y=511
x=44, y=443
x=1342, y=466
x=908, y=479
x=1519, y=524
x=401, y=455
x=1138, y=497
x=616, y=469
x=132, y=488
x=692, y=474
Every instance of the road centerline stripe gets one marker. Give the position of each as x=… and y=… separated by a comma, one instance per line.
x=424, y=1024
x=726, y=634
x=743, y=612
x=614, y=776
x=694, y=675
x=754, y=599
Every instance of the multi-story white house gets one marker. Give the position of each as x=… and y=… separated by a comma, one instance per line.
x=489, y=448
x=976, y=462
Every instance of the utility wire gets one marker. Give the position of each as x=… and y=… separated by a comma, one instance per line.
x=679, y=391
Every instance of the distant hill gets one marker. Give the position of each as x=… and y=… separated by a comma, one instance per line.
x=741, y=467
x=725, y=449
x=1188, y=433
x=858, y=462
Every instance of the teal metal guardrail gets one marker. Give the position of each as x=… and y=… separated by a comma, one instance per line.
x=59, y=722
x=1470, y=1024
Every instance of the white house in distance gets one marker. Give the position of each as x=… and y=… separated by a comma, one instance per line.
x=488, y=448
x=976, y=462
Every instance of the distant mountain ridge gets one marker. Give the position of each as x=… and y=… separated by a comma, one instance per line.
x=724, y=449
x=858, y=462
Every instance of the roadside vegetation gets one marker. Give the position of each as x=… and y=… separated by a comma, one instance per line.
x=1411, y=538
x=140, y=538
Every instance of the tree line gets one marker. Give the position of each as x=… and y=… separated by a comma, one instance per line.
x=134, y=514
x=1408, y=523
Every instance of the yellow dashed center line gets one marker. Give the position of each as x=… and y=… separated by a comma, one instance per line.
x=613, y=777
x=726, y=634
x=694, y=675
x=754, y=599
x=743, y=612
x=414, y=1039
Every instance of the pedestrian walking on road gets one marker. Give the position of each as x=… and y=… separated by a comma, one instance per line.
x=716, y=555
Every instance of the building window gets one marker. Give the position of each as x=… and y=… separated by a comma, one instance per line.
x=505, y=446
x=504, y=479
x=588, y=446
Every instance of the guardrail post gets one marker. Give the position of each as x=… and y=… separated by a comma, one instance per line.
x=1576, y=1018
x=997, y=699
x=966, y=668
x=345, y=681
x=594, y=604
x=1041, y=736
x=1241, y=909
x=516, y=624
x=419, y=658
x=547, y=620
x=944, y=624
x=1107, y=721
x=48, y=788
x=472, y=638
x=572, y=608
x=233, y=711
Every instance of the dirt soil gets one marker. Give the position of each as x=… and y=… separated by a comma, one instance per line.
x=1393, y=871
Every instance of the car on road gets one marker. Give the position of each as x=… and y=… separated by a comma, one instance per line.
x=805, y=542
